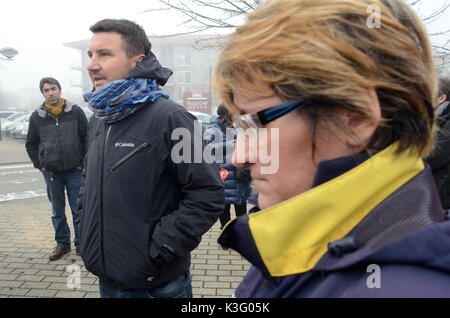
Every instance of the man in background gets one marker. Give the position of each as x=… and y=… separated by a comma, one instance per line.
x=440, y=158
x=56, y=144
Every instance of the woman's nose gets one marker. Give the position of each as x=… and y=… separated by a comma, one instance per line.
x=244, y=152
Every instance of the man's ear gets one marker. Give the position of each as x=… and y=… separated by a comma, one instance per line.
x=362, y=128
x=137, y=59
x=442, y=99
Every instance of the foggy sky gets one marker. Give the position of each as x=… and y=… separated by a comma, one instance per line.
x=37, y=29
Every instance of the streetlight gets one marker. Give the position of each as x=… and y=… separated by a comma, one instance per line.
x=8, y=53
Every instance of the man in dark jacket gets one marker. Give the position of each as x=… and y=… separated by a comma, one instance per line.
x=56, y=144
x=440, y=158
x=141, y=213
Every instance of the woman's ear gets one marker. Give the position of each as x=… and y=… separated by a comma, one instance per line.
x=363, y=128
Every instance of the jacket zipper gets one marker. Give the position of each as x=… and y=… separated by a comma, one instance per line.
x=127, y=157
x=101, y=202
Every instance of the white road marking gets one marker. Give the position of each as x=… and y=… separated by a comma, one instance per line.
x=18, y=172
x=21, y=181
x=22, y=195
x=15, y=166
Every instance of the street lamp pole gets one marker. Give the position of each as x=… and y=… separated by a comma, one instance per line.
x=7, y=53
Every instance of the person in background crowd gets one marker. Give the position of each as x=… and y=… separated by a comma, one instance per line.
x=236, y=181
x=352, y=210
x=440, y=158
x=141, y=212
x=56, y=144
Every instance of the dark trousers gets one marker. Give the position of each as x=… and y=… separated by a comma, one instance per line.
x=57, y=185
x=178, y=288
x=240, y=209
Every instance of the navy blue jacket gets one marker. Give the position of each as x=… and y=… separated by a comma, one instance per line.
x=400, y=249
x=216, y=135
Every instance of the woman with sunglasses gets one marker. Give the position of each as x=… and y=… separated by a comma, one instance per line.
x=347, y=106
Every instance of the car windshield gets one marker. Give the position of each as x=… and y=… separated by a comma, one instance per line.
x=14, y=116
x=204, y=118
x=22, y=118
x=6, y=114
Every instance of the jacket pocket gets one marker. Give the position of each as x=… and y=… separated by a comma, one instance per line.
x=129, y=156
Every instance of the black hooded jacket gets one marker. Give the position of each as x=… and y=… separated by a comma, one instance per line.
x=57, y=143
x=439, y=160
x=140, y=212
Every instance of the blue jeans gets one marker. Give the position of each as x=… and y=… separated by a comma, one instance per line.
x=56, y=186
x=181, y=287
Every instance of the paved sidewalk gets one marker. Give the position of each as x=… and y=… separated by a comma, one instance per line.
x=12, y=151
x=27, y=238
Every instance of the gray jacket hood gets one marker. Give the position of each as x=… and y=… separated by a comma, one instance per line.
x=42, y=110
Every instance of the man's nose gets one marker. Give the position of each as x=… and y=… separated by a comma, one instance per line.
x=93, y=65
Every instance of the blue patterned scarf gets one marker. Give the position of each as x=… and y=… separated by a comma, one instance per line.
x=120, y=99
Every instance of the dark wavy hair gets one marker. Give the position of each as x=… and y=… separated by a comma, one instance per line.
x=134, y=38
x=48, y=80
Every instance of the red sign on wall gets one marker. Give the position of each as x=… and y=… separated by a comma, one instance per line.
x=197, y=102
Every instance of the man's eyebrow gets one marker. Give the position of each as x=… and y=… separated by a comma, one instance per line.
x=100, y=50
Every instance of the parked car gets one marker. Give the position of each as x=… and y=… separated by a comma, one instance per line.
x=6, y=113
x=23, y=134
x=6, y=128
x=16, y=130
x=11, y=117
x=204, y=119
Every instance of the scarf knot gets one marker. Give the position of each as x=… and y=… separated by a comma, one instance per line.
x=120, y=99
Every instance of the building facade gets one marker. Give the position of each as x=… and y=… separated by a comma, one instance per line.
x=191, y=61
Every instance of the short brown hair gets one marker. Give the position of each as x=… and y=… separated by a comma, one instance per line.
x=50, y=81
x=134, y=38
x=444, y=87
x=325, y=50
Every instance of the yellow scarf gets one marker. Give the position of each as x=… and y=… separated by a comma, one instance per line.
x=292, y=236
x=55, y=110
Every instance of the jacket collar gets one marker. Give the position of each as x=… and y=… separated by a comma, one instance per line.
x=149, y=67
x=43, y=111
x=291, y=237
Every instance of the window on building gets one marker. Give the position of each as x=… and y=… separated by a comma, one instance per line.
x=167, y=55
x=184, y=77
x=184, y=59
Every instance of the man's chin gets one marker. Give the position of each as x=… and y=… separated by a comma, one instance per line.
x=99, y=84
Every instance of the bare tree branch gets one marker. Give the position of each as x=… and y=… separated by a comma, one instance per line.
x=237, y=7
x=177, y=34
x=204, y=15
x=213, y=14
